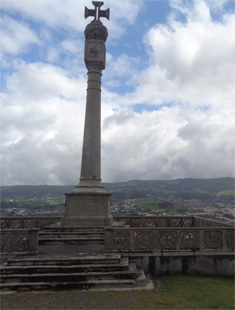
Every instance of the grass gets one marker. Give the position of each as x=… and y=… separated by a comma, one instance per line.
x=149, y=204
x=226, y=193
x=199, y=190
x=171, y=292
x=199, y=292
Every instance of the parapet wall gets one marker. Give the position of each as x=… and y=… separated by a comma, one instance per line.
x=171, y=245
x=19, y=241
x=173, y=240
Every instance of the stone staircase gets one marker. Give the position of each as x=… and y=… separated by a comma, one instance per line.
x=97, y=271
x=71, y=235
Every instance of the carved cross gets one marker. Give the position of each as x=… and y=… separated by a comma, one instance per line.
x=97, y=12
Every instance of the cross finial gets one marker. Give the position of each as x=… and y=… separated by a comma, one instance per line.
x=97, y=12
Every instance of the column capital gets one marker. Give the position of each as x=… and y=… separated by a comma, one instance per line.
x=96, y=30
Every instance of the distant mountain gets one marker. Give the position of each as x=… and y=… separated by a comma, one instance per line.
x=203, y=189
x=34, y=191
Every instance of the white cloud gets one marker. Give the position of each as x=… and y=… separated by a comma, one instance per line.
x=15, y=36
x=167, y=144
x=53, y=13
x=191, y=68
x=42, y=122
x=190, y=62
x=73, y=46
x=41, y=81
x=122, y=69
x=67, y=14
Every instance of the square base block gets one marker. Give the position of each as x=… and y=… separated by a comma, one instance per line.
x=87, y=209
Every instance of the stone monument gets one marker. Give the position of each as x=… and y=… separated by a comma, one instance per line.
x=89, y=203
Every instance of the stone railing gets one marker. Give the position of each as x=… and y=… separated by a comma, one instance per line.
x=18, y=222
x=156, y=221
x=165, y=240
x=29, y=222
x=19, y=241
x=168, y=221
x=203, y=222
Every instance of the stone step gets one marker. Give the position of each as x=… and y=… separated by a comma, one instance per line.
x=107, y=258
x=95, y=271
x=90, y=284
x=132, y=273
x=26, y=269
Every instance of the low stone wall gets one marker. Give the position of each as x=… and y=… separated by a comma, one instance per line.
x=188, y=240
x=28, y=222
x=18, y=222
x=19, y=241
x=202, y=222
x=156, y=221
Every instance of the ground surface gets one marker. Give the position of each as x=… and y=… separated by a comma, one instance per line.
x=171, y=292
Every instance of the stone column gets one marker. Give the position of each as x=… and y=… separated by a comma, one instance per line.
x=91, y=153
x=89, y=202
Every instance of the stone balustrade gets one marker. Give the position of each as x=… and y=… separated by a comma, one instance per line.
x=19, y=241
x=203, y=222
x=178, y=239
x=156, y=221
x=18, y=222
x=29, y=222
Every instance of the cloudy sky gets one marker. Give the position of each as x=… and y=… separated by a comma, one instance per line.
x=167, y=91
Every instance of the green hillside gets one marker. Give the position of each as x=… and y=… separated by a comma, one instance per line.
x=203, y=189
x=221, y=189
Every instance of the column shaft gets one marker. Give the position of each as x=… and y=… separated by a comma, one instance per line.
x=91, y=153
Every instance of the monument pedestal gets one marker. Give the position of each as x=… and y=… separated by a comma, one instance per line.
x=87, y=207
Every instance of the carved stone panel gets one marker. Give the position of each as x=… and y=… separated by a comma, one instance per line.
x=148, y=222
x=120, y=240
x=213, y=239
x=162, y=222
x=4, y=224
x=168, y=240
x=190, y=240
x=95, y=52
x=143, y=240
x=21, y=243
x=29, y=224
x=174, y=222
x=135, y=222
x=16, y=224
x=187, y=222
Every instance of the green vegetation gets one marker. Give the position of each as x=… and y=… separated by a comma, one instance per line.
x=35, y=206
x=202, y=189
x=150, y=205
x=171, y=292
x=159, y=206
x=185, y=189
x=226, y=193
x=199, y=190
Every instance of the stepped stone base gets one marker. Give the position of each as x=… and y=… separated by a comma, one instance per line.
x=94, y=271
x=87, y=208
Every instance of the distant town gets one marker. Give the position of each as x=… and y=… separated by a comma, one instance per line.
x=124, y=207
x=193, y=207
